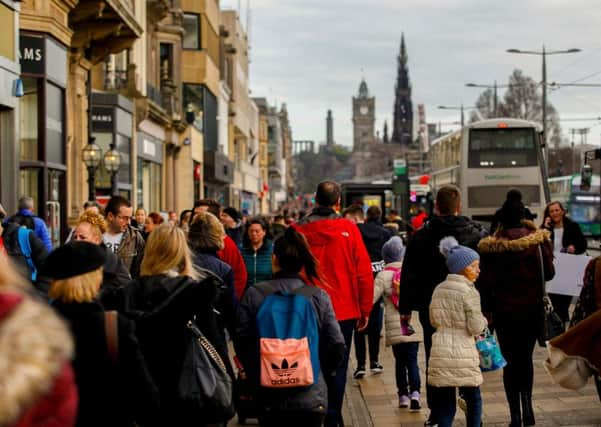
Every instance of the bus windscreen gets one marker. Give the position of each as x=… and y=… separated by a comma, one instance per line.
x=502, y=148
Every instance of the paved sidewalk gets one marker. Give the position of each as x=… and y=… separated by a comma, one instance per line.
x=553, y=405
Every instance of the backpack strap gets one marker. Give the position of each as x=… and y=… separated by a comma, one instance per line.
x=25, y=245
x=112, y=337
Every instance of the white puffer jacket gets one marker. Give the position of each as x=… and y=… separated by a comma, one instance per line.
x=456, y=314
x=392, y=319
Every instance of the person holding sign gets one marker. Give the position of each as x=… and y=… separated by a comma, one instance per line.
x=567, y=238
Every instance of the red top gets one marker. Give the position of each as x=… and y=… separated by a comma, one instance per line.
x=344, y=263
x=230, y=254
x=2, y=248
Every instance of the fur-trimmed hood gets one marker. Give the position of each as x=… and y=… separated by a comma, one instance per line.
x=503, y=241
x=34, y=345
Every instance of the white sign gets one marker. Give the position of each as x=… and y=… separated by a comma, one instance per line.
x=569, y=272
x=149, y=148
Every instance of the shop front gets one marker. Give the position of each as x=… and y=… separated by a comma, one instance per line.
x=149, y=172
x=112, y=127
x=42, y=136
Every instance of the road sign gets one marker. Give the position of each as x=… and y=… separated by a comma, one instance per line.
x=400, y=167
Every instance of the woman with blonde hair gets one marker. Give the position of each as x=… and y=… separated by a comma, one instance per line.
x=38, y=387
x=109, y=368
x=169, y=293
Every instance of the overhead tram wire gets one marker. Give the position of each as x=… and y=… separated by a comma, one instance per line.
x=579, y=59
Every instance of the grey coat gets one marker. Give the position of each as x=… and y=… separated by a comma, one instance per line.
x=331, y=347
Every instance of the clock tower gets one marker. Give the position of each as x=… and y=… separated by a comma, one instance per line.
x=364, y=117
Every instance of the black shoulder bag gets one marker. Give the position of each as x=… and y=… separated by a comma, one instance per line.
x=551, y=323
x=204, y=383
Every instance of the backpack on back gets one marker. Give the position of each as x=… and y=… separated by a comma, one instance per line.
x=288, y=339
x=24, y=220
x=396, y=284
x=25, y=245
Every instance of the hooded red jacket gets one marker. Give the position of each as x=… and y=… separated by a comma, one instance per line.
x=344, y=264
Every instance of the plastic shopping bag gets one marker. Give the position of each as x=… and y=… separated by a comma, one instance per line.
x=491, y=358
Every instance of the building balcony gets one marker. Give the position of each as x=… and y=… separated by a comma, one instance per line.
x=107, y=27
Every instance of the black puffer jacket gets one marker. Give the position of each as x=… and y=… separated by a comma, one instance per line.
x=331, y=346
x=162, y=306
x=424, y=266
x=374, y=236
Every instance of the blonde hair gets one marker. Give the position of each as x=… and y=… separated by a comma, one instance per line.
x=206, y=232
x=82, y=288
x=97, y=222
x=167, y=250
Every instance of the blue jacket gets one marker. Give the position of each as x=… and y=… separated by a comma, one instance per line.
x=39, y=226
x=258, y=264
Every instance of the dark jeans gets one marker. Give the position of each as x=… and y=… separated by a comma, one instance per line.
x=374, y=328
x=337, y=382
x=447, y=405
x=406, y=368
x=291, y=419
x=517, y=333
x=561, y=305
x=424, y=319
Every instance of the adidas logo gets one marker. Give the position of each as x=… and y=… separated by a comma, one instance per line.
x=285, y=370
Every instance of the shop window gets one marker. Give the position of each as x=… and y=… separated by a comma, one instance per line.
x=149, y=185
x=191, y=26
x=55, y=151
x=123, y=146
x=29, y=180
x=28, y=120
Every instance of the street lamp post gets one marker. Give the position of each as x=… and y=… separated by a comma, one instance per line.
x=461, y=108
x=112, y=161
x=91, y=156
x=544, y=54
x=495, y=101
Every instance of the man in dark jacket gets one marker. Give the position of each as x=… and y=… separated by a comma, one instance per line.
x=374, y=236
x=345, y=264
x=424, y=266
x=26, y=218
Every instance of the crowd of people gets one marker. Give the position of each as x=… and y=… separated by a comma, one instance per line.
x=109, y=313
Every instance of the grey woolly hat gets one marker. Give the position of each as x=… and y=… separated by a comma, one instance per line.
x=393, y=250
x=458, y=257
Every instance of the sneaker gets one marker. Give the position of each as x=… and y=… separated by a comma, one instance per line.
x=359, y=372
x=376, y=368
x=415, y=405
x=403, y=401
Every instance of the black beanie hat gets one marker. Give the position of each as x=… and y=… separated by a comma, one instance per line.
x=73, y=259
x=512, y=213
x=233, y=213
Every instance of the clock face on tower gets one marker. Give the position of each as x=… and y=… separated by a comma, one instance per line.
x=363, y=110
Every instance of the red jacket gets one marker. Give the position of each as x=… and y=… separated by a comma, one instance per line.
x=344, y=263
x=230, y=254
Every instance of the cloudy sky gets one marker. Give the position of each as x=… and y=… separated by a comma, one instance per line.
x=312, y=54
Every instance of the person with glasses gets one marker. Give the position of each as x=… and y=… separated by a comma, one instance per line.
x=120, y=237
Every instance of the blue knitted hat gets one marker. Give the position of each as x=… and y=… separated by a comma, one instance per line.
x=393, y=250
x=458, y=257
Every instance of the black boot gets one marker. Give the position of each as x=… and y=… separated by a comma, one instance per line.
x=527, y=411
x=514, y=409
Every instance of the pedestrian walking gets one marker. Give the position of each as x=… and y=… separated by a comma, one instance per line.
x=513, y=195
x=456, y=315
x=25, y=217
x=37, y=381
x=184, y=220
x=120, y=237
x=511, y=284
x=278, y=226
x=168, y=294
x=139, y=219
x=152, y=221
x=401, y=336
x=90, y=228
x=115, y=388
x=567, y=237
x=230, y=254
x=348, y=279
x=256, y=249
x=374, y=236
x=292, y=406
x=205, y=238
x=232, y=221
x=424, y=267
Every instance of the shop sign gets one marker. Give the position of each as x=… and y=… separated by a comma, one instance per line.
x=32, y=54
x=103, y=119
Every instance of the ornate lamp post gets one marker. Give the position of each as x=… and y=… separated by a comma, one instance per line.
x=112, y=161
x=91, y=156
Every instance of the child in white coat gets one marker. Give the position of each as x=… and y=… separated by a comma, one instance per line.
x=403, y=339
x=455, y=313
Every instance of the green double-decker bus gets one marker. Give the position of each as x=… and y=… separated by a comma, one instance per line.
x=584, y=207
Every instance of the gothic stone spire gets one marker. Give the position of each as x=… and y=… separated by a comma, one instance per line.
x=402, y=126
